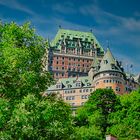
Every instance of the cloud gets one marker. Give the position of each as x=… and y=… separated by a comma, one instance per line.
x=13, y=4
x=66, y=8
x=127, y=61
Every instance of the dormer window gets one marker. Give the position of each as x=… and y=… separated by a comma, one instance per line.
x=78, y=84
x=88, y=84
x=69, y=86
x=113, y=66
x=59, y=86
x=105, y=61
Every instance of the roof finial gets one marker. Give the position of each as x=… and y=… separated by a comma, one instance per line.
x=59, y=26
x=108, y=45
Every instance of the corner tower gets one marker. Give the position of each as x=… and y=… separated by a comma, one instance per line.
x=110, y=74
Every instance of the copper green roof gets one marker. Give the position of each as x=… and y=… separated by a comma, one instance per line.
x=133, y=76
x=84, y=36
x=109, y=63
x=85, y=81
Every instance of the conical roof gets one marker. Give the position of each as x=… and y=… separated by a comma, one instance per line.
x=109, y=63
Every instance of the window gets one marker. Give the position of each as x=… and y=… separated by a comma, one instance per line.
x=118, y=89
x=82, y=103
x=63, y=63
x=80, y=90
x=70, y=97
x=57, y=62
x=65, y=91
x=63, y=58
x=105, y=61
x=97, y=83
x=109, y=87
x=88, y=84
x=67, y=82
x=72, y=104
x=59, y=86
x=69, y=86
x=86, y=90
x=78, y=84
x=113, y=66
x=84, y=97
x=90, y=90
x=62, y=68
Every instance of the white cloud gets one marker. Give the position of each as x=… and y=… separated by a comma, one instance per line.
x=66, y=8
x=13, y=4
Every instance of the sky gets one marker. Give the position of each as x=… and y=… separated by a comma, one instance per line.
x=115, y=23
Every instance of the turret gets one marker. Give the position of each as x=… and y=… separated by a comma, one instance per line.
x=110, y=74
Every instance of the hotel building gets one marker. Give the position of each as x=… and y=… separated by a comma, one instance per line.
x=105, y=74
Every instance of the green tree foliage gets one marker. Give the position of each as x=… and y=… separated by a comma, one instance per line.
x=34, y=119
x=95, y=112
x=24, y=112
x=21, y=52
x=125, y=123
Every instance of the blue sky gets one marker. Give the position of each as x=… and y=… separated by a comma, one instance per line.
x=113, y=21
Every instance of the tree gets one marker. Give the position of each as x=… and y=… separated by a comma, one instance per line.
x=33, y=118
x=21, y=52
x=125, y=122
x=24, y=112
x=96, y=110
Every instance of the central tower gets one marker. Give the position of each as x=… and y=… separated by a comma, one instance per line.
x=71, y=53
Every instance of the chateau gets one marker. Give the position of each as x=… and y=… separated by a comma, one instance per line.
x=80, y=65
x=71, y=53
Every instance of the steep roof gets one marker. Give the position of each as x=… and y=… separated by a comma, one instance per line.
x=84, y=36
x=109, y=63
x=85, y=81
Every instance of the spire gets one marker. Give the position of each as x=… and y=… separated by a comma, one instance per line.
x=109, y=63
